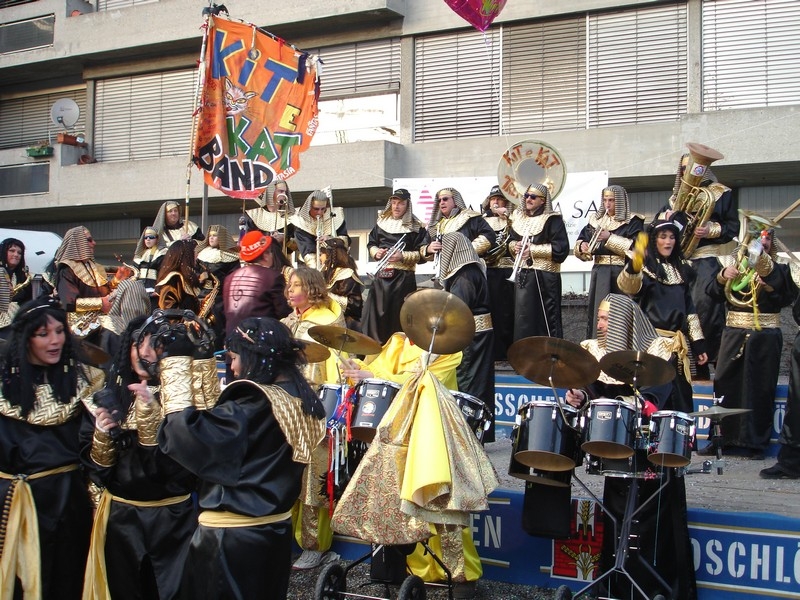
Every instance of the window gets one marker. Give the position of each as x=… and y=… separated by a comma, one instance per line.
x=544, y=76
x=750, y=50
x=27, y=35
x=26, y=120
x=457, y=85
x=144, y=116
x=637, y=65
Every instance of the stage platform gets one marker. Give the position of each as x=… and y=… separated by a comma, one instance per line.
x=745, y=530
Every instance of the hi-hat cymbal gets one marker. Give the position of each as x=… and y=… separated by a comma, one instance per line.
x=717, y=412
x=635, y=367
x=92, y=354
x=539, y=358
x=430, y=311
x=316, y=352
x=344, y=340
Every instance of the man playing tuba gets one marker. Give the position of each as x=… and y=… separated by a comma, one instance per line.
x=710, y=240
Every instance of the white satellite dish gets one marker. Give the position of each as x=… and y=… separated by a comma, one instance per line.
x=65, y=112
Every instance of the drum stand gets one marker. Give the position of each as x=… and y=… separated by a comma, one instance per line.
x=627, y=541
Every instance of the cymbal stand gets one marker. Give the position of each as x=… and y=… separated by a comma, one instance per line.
x=434, y=329
x=716, y=441
x=553, y=360
x=627, y=541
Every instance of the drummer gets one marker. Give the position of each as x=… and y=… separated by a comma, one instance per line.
x=664, y=532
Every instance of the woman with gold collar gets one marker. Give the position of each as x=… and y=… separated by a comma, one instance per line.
x=178, y=278
x=147, y=257
x=47, y=514
x=605, y=240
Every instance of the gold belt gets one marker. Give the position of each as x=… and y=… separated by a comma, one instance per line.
x=544, y=264
x=747, y=320
x=714, y=250
x=153, y=503
x=483, y=322
x=609, y=259
x=223, y=518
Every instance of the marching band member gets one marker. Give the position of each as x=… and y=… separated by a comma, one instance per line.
x=171, y=227
x=274, y=215
x=314, y=223
x=49, y=513
x=663, y=531
x=497, y=211
x=463, y=274
x=81, y=283
x=538, y=241
x=12, y=259
x=715, y=247
x=147, y=259
x=311, y=305
x=750, y=349
x=344, y=286
x=605, y=240
x=249, y=450
x=178, y=278
x=217, y=256
x=661, y=287
x=396, y=224
x=450, y=214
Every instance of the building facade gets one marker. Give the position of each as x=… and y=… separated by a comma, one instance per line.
x=408, y=90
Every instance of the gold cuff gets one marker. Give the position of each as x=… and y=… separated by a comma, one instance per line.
x=481, y=245
x=410, y=259
x=584, y=256
x=542, y=251
x=695, y=330
x=629, y=283
x=206, y=369
x=721, y=278
x=104, y=450
x=714, y=229
x=483, y=322
x=618, y=244
x=176, y=383
x=88, y=304
x=148, y=418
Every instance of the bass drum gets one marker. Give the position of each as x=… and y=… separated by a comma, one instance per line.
x=545, y=440
x=372, y=401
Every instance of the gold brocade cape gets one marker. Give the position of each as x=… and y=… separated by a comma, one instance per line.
x=425, y=466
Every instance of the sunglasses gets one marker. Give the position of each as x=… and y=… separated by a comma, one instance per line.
x=445, y=198
x=151, y=237
x=533, y=196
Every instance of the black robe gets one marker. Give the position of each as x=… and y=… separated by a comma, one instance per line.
x=244, y=463
x=146, y=547
x=537, y=305
x=475, y=374
x=381, y=314
x=749, y=364
x=789, y=453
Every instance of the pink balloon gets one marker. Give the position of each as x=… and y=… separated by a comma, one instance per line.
x=478, y=13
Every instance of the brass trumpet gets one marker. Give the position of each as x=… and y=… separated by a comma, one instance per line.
x=594, y=243
x=399, y=246
x=526, y=240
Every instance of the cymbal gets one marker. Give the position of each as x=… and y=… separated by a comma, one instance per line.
x=91, y=354
x=427, y=311
x=717, y=412
x=641, y=368
x=344, y=340
x=539, y=358
x=316, y=352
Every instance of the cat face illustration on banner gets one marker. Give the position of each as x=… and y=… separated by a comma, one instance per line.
x=478, y=13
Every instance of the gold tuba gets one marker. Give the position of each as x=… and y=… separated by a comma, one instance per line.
x=696, y=202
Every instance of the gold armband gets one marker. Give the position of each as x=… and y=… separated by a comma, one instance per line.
x=176, y=383
x=618, y=244
x=629, y=283
x=204, y=370
x=88, y=304
x=148, y=418
x=714, y=229
x=104, y=450
x=481, y=245
x=542, y=251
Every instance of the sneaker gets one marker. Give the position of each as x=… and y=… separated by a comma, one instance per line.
x=776, y=472
x=310, y=559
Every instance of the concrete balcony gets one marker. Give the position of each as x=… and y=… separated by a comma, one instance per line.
x=172, y=28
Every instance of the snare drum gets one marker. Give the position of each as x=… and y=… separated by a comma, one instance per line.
x=673, y=432
x=474, y=411
x=544, y=440
x=608, y=429
x=373, y=400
